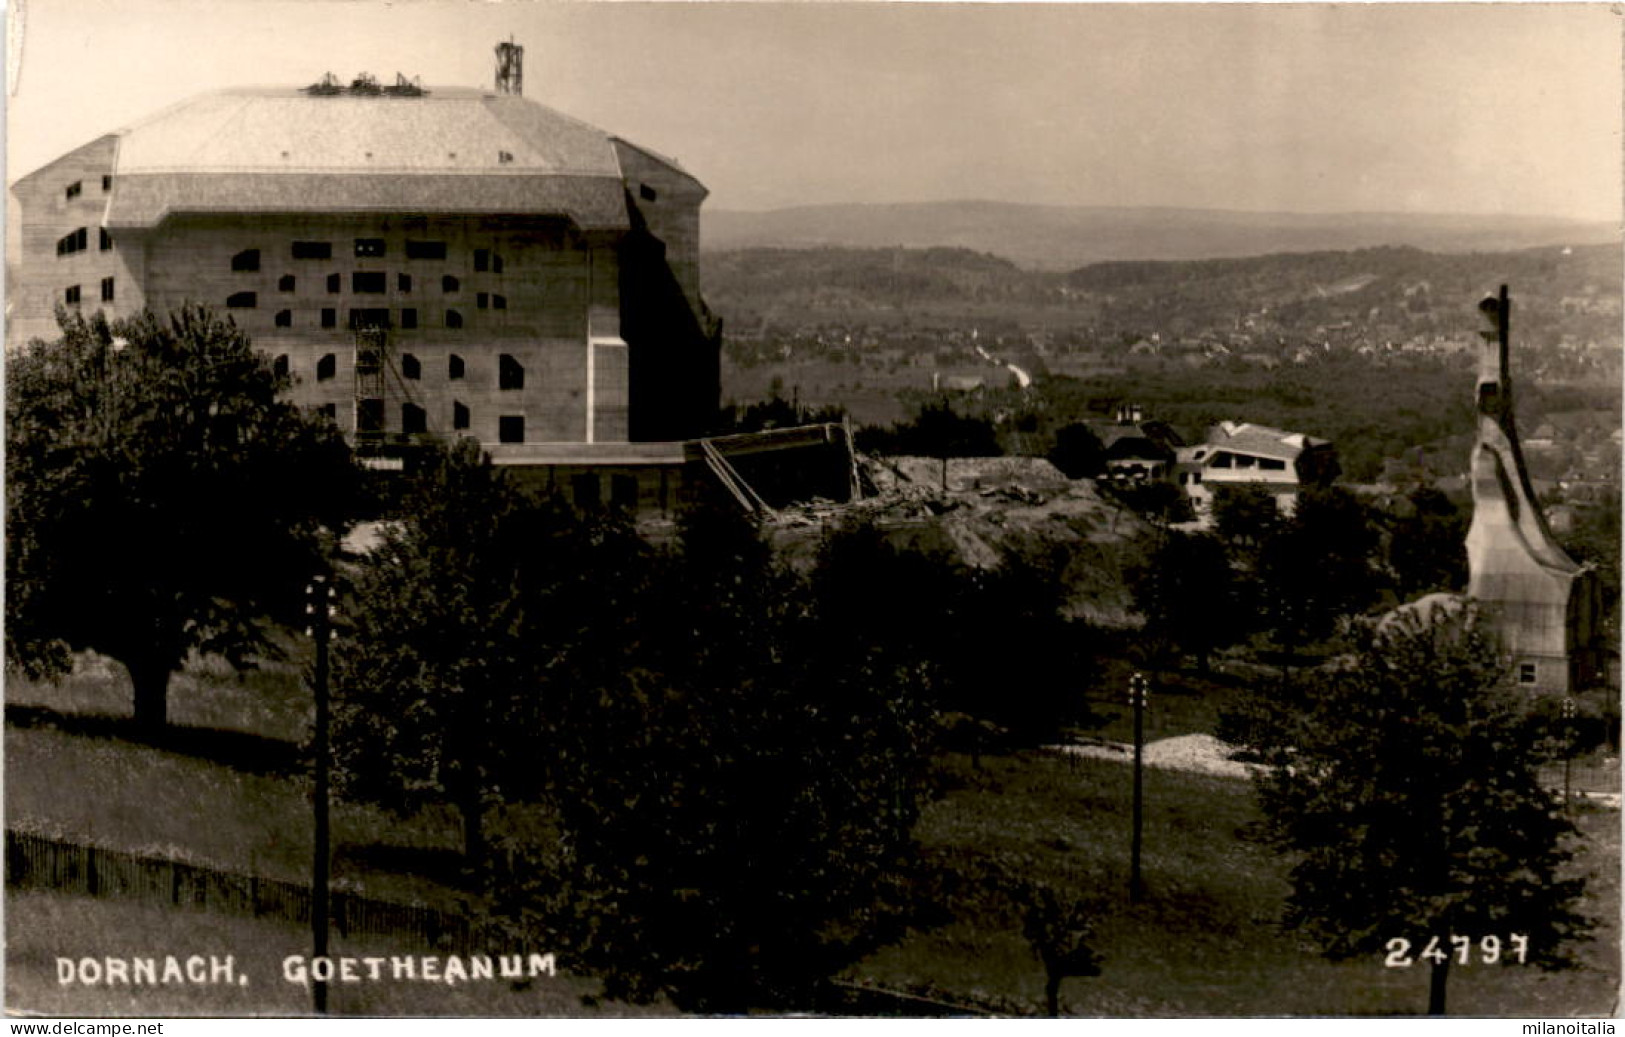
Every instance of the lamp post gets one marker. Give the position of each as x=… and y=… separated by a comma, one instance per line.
x=1139, y=690
x=319, y=608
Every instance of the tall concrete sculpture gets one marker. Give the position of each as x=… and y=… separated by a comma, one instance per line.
x=1543, y=604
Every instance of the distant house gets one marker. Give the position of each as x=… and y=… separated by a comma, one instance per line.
x=1136, y=450
x=1244, y=454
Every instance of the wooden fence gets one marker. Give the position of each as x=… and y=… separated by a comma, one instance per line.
x=36, y=862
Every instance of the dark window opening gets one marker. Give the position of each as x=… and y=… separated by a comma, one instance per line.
x=368, y=281
x=623, y=491
x=285, y=283
x=511, y=428
x=327, y=367
x=1221, y=461
x=246, y=260
x=1526, y=673
x=284, y=318
x=369, y=248
x=335, y=283
x=646, y=192
x=410, y=367
x=425, y=250
x=403, y=282
x=510, y=373
x=454, y=319
x=330, y=411
x=449, y=284
x=454, y=366
x=369, y=318
x=74, y=188
x=585, y=492
x=414, y=419
x=279, y=366
x=459, y=415
x=330, y=318
x=499, y=302
x=369, y=415
x=1270, y=464
x=107, y=181
x=105, y=239
x=496, y=264
x=77, y=241
x=242, y=300
x=312, y=250
x=482, y=260
x=409, y=318
x=482, y=300
x=72, y=295
x=107, y=289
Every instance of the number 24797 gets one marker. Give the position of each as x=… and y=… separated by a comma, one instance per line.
x=1489, y=949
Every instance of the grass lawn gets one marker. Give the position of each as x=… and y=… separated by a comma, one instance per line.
x=272, y=701
x=1205, y=940
x=42, y=926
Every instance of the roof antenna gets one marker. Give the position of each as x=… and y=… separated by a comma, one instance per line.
x=510, y=68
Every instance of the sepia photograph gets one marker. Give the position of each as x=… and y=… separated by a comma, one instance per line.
x=848, y=509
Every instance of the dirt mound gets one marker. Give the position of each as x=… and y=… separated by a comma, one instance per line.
x=992, y=507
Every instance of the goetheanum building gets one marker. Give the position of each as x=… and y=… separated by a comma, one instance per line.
x=450, y=262
x=1543, y=604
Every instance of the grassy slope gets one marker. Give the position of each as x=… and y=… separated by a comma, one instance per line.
x=41, y=926
x=1204, y=943
x=155, y=800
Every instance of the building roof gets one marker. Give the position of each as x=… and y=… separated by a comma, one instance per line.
x=1260, y=440
x=449, y=150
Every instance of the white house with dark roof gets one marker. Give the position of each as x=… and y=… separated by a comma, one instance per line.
x=1249, y=455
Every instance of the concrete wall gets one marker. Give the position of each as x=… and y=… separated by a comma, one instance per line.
x=47, y=215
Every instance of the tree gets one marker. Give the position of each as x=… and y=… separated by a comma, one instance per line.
x=1059, y=934
x=734, y=788
x=1078, y=452
x=439, y=696
x=1427, y=548
x=161, y=499
x=1316, y=568
x=1244, y=516
x=1187, y=593
x=1403, y=780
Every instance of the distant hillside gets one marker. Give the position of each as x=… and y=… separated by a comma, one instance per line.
x=1065, y=237
x=1387, y=293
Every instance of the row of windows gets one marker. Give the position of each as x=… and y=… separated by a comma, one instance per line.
x=377, y=282
x=79, y=240
x=1229, y=460
x=359, y=318
x=415, y=420
x=375, y=248
x=77, y=188
x=510, y=372
x=72, y=295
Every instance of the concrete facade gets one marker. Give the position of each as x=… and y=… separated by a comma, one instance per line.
x=531, y=279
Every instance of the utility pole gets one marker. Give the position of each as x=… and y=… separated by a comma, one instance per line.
x=319, y=608
x=1139, y=690
x=1568, y=746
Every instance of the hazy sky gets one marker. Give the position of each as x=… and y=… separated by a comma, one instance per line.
x=1458, y=108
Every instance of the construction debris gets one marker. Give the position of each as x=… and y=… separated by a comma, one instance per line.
x=993, y=507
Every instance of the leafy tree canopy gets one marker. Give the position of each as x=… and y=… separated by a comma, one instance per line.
x=1404, y=782
x=161, y=498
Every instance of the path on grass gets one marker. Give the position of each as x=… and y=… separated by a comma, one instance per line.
x=1197, y=754
x=1204, y=754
